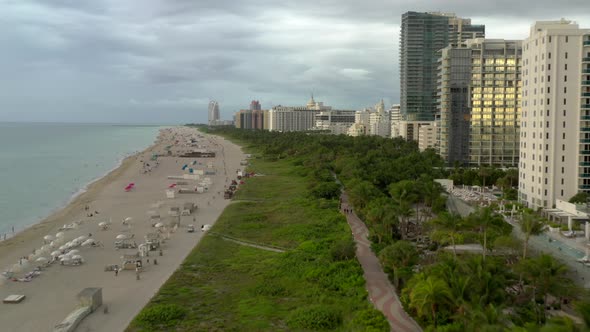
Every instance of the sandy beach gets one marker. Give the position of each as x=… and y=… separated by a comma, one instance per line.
x=51, y=296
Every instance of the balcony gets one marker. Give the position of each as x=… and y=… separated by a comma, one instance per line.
x=584, y=140
x=586, y=42
x=585, y=129
x=585, y=117
x=584, y=163
x=585, y=152
x=584, y=186
x=586, y=59
x=586, y=71
x=585, y=107
x=585, y=94
x=585, y=175
x=585, y=82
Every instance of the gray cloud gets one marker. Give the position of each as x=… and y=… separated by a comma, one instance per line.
x=161, y=60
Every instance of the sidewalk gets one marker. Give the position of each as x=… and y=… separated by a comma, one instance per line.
x=381, y=292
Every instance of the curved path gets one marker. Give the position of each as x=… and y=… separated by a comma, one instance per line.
x=381, y=292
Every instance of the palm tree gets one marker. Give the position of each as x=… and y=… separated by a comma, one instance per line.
x=489, y=224
x=401, y=255
x=451, y=224
x=530, y=225
x=404, y=211
x=547, y=276
x=428, y=295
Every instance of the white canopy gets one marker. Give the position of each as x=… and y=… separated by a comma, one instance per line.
x=55, y=253
x=128, y=219
x=76, y=257
x=121, y=237
x=48, y=238
x=73, y=251
x=60, y=234
x=159, y=225
x=41, y=259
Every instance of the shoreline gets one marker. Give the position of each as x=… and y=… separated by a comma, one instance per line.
x=73, y=198
x=52, y=295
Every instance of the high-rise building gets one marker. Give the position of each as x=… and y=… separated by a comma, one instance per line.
x=396, y=117
x=298, y=118
x=422, y=36
x=213, y=112
x=250, y=119
x=555, y=132
x=255, y=105
x=479, y=102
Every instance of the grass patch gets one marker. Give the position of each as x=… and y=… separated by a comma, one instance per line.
x=223, y=286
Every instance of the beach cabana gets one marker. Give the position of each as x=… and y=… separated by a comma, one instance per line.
x=131, y=261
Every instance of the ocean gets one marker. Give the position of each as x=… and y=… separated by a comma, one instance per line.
x=43, y=166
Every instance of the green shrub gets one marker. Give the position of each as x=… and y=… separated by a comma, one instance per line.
x=370, y=320
x=342, y=250
x=314, y=317
x=162, y=315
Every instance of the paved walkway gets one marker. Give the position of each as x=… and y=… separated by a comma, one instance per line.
x=248, y=243
x=381, y=292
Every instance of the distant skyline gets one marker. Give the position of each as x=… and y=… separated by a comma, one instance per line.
x=162, y=61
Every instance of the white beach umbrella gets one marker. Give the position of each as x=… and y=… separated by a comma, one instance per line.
x=65, y=258
x=64, y=247
x=76, y=257
x=81, y=238
x=121, y=237
x=53, y=244
x=41, y=260
x=44, y=248
x=128, y=219
x=55, y=253
x=48, y=238
x=25, y=263
x=159, y=225
x=73, y=252
x=60, y=234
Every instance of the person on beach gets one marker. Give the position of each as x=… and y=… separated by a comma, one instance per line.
x=116, y=271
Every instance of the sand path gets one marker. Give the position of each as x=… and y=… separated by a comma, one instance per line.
x=51, y=296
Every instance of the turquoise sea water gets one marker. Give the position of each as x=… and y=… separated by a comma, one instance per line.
x=43, y=166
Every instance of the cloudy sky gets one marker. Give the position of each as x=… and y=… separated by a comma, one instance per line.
x=161, y=61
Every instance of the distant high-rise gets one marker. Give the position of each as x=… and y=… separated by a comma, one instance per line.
x=479, y=102
x=255, y=105
x=422, y=36
x=213, y=112
x=555, y=133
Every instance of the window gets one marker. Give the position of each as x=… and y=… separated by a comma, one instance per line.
x=546, y=171
x=548, y=89
x=566, y=52
x=564, y=112
x=566, y=65
x=546, y=135
x=548, y=66
x=562, y=182
x=547, y=101
x=561, y=192
x=547, y=124
x=562, y=170
x=546, y=158
x=564, y=101
x=545, y=183
x=565, y=89
x=549, y=38
x=565, y=78
x=562, y=160
x=547, y=115
x=563, y=136
x=563, y=147
x=548, y=78
x=549, y=55
x=563, y=124
x=547, y=147
x=566, y=39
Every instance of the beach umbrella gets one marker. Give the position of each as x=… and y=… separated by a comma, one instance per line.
x=44, y=248
x=88, y=242
x=121, y=237
x=102, y=224
x=41, y=260
x=73, y=252
x=81, y=238
x=64, y=247
x=60, y=234
x=128, y=219
x=48, y=238
x=159, y=225
x=56, y=253
x=65, y=258
x=53, y=244
x=76, y=257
